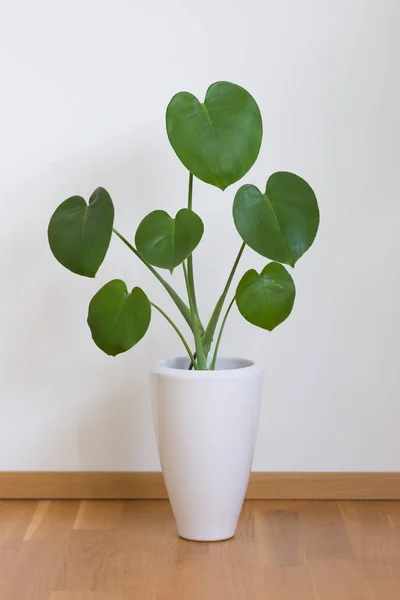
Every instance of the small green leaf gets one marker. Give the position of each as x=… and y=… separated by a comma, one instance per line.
x=218, y=141
x=166, y=242
x=79, y=234
x=280, y=224
x=267, y=299
x=118, y=319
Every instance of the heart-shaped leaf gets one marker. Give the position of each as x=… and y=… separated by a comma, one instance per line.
x=219, y=140
x=166, y=242
x=79, y=234
x=280, y=224
x=118, y=319
x=267, y=299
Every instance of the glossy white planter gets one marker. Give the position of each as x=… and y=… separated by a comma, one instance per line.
x=206, y=426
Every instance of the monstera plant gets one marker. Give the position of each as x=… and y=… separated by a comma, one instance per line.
x=218, y=141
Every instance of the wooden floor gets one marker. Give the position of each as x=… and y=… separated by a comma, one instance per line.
x=119, y=550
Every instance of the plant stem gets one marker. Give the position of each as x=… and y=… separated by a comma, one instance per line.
x=190, y=192
x=190, y=258
x=192, y=364
x=183, y=308
x=201, y=359
x=189, y=280
x=184, y=342
x=210, y=329
x=214, y=360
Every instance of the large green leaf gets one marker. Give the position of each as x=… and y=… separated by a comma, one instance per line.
x=267, y=299
x=79, y=234
x=166, y=242
x=118, y=319
x=280, y=224
x=219, y=140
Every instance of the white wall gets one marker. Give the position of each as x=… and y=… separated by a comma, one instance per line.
x=84, y=86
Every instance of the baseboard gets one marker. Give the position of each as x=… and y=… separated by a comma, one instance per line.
x=150, y=485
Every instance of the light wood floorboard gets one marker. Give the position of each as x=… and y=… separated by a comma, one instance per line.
x=120, y=550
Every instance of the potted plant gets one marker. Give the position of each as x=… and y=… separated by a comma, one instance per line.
x=206, y=407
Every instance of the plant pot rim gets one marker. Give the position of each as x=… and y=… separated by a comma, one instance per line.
x=228, y=367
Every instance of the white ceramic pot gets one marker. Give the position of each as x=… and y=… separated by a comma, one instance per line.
x=206, y=426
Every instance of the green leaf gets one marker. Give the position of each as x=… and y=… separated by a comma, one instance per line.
x=118, y=319
x=79, y=235
x=166, y=242
x=218, y=141
x=280, y=224
x=267, y=299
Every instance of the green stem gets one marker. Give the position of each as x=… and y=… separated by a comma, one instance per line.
x=190, y=192
x=184, y=342
x=190, y=258
x=209, y=332
x=214, y=360
x=190, y=273
x=201, y=359
x=183, y=308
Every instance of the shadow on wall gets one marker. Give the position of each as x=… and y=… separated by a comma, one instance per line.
x=108, y=434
